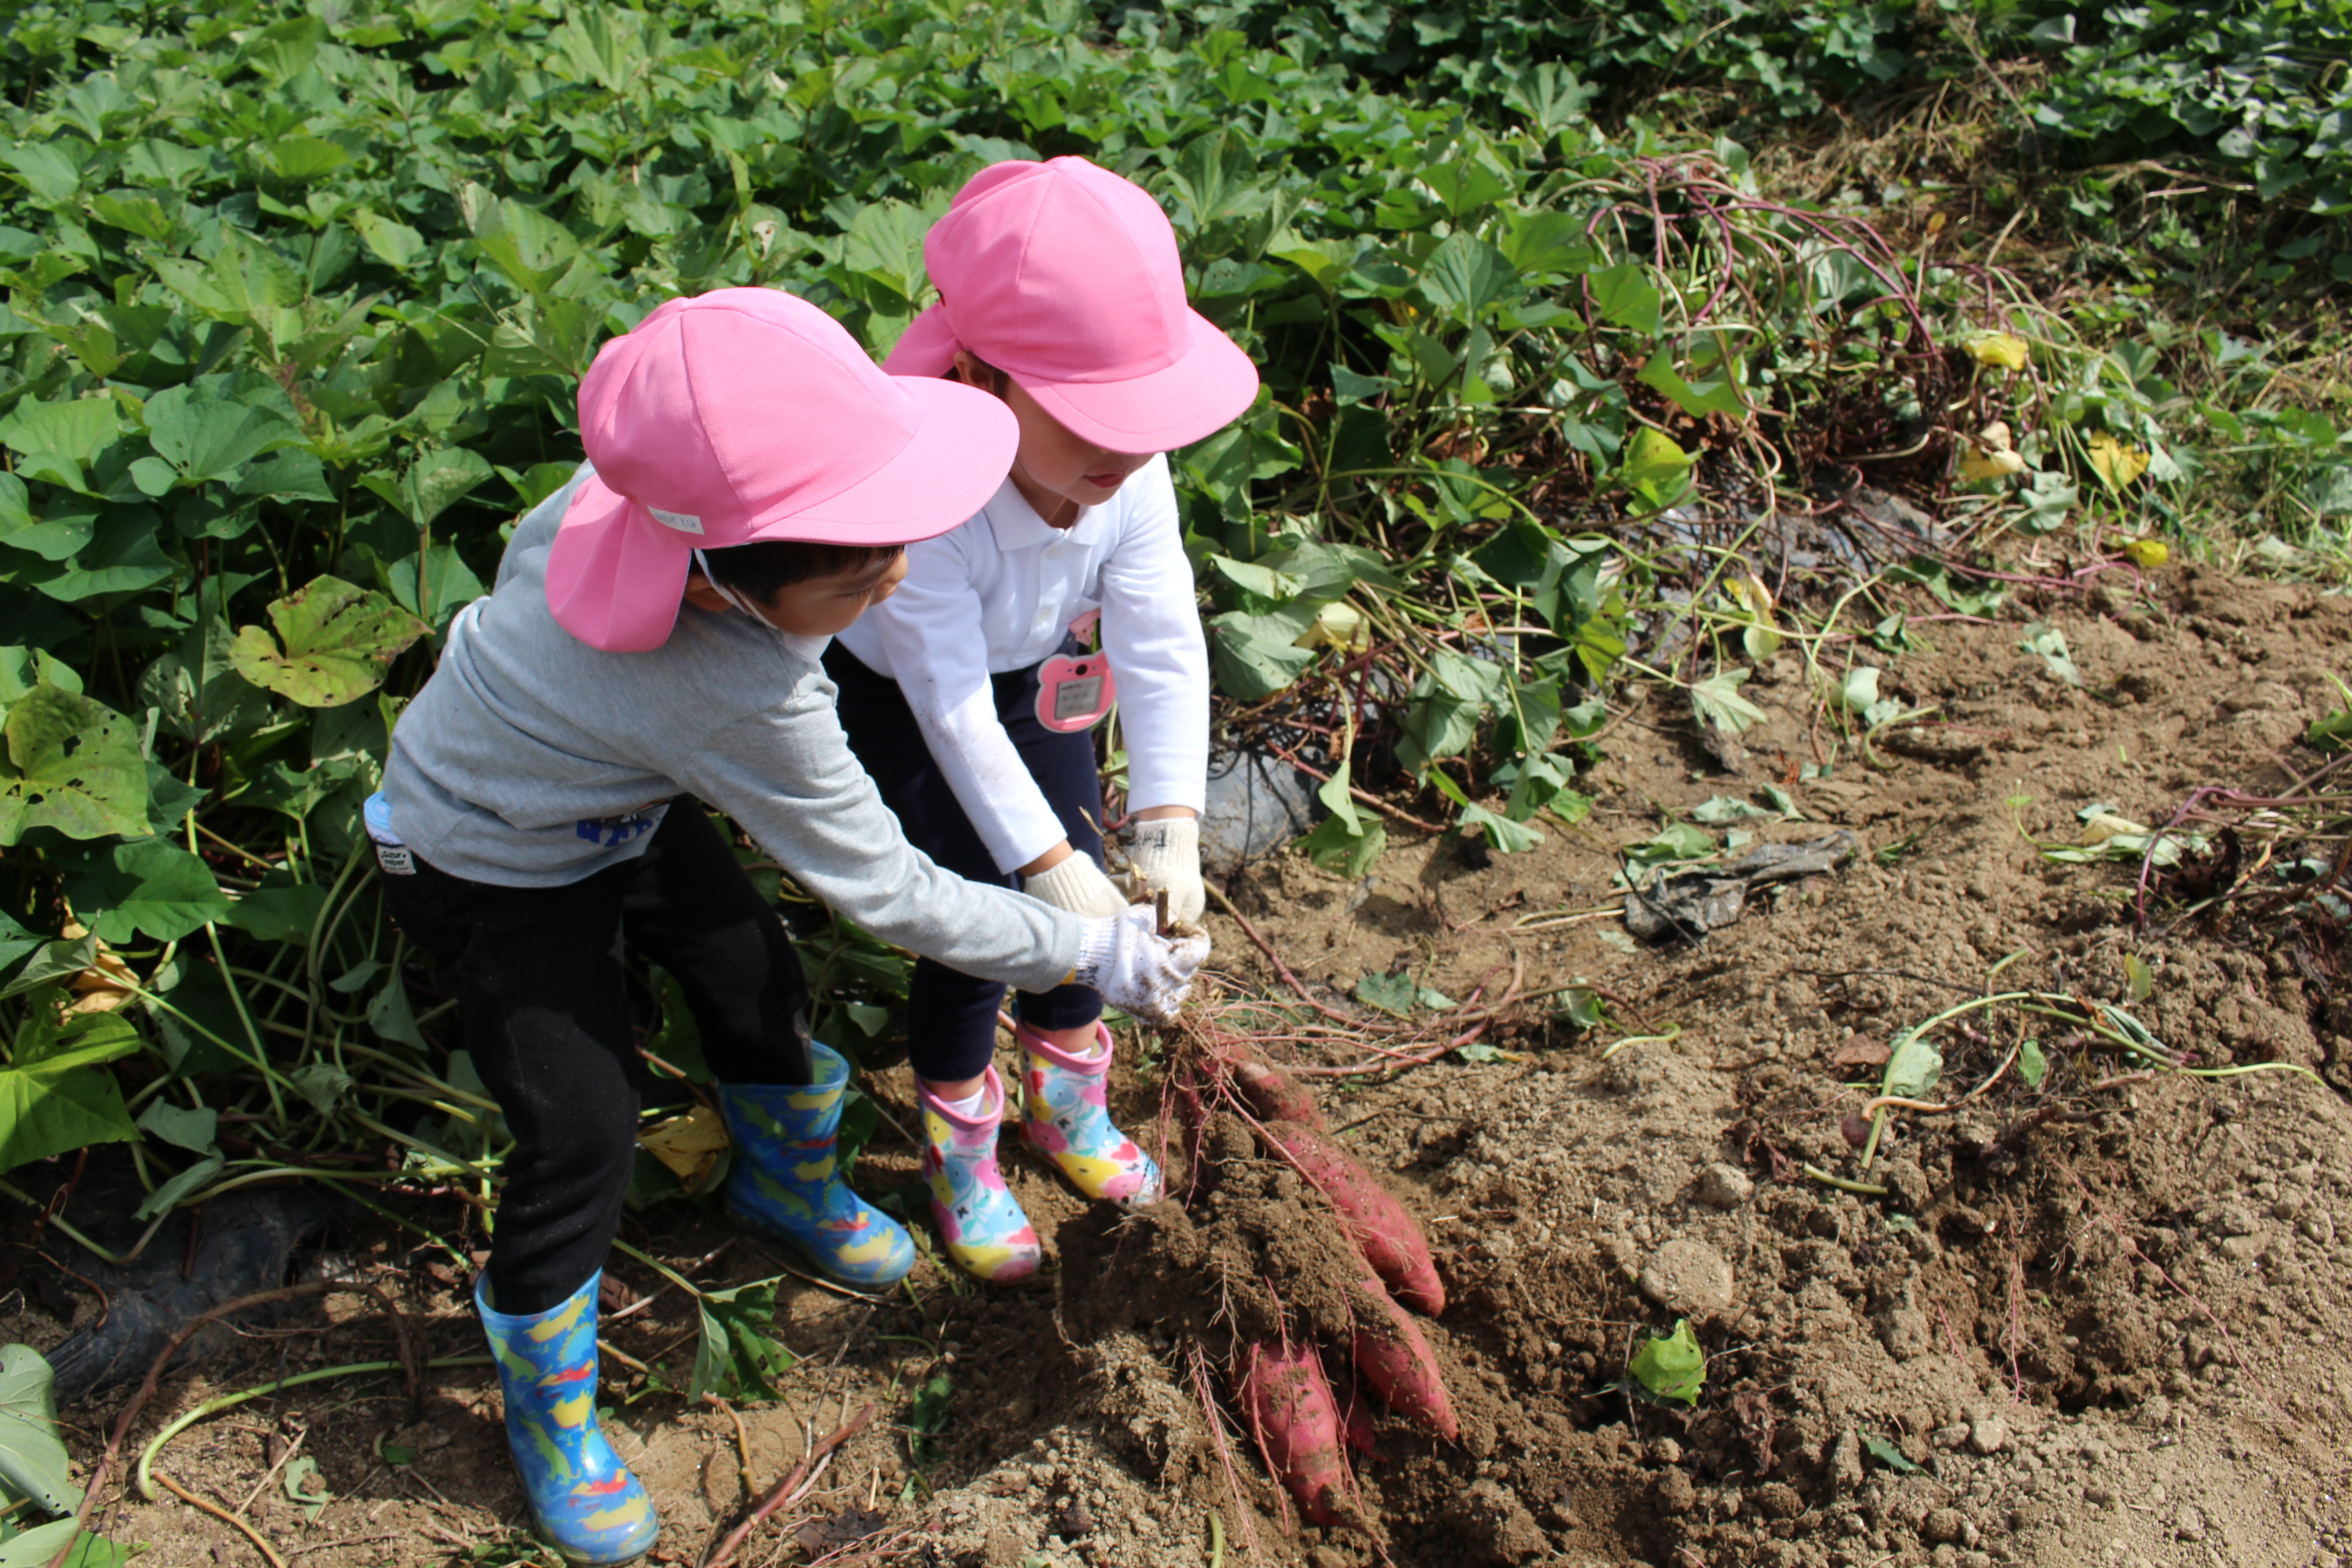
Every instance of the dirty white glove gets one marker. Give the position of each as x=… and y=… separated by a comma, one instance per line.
x=1076, y=884
x=1167, y=854
x=1137, y=970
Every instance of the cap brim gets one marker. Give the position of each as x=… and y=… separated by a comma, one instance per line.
x=1206, y=390
x=962, y=450
x=614, y=577
x=928, y=346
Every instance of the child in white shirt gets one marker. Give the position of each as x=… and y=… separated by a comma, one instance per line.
x=971, y=695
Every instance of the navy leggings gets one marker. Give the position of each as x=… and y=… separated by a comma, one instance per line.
x=951, y=1018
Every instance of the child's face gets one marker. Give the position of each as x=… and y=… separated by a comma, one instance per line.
x=814, y=606
x=824, y=606
x=1055, y=459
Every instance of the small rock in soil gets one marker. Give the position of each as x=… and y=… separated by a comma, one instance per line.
x=1494, y=1526
x=1942, y=1525
x=1722, y=1187
x=1907, y=1182
x=1006, y=1546
x=1845, y=1462
x=1687, y=1277
x=1676, y=1495
x=1989, y=1436
x=1779, y=1500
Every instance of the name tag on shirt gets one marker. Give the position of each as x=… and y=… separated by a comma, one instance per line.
x=1075, y=693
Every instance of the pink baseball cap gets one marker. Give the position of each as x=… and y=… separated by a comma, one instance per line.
x=746, y=414
x=1065, y=277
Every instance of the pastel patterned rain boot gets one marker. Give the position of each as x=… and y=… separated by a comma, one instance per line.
x=986, y=1233
x=784, y=1182
x=1065, y=1113
x=584, y=1503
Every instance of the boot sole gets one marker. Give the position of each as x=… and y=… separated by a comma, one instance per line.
x=582, y=1560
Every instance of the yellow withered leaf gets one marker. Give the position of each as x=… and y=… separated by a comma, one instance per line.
x=1337, y=625
x=2000, y=348
x=1992, y=465
x=2115, y=463
x=2150, y=553
x=106, y=985
x=1752, y=594
x=688, y=1144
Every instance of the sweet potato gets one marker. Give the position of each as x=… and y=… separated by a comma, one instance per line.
x=1395, y=1359
x=1275, y=1098
x=1386, y=1236
x=1355, y=1410
x=1297, y=1424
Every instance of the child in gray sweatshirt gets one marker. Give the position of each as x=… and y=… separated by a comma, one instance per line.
x=654, y=640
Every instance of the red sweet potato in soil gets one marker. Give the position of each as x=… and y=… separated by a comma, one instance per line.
x=1296, y=1422
x=1354, y=1411
x=1387, y=1236
x=1275, y=1098
x=1394, y=1356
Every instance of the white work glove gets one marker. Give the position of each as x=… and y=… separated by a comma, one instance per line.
x=1137, y=970
x=1165, y=854
x=1076, y=884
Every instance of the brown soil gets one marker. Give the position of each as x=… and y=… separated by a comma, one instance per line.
x=2105, y=1326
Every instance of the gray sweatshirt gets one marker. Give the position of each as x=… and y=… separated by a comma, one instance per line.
x=532, y=760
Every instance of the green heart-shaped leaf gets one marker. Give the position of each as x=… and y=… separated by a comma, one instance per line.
x=72, y=764
x=337, y=642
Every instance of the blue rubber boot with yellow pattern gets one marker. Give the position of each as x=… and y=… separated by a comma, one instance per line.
x=784, y=1182
x=584, y=1503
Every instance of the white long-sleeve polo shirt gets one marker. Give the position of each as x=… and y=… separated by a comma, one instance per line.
x=998, y=594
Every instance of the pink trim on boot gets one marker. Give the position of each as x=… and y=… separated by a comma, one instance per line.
x=1065, y=1115
x=979, y=1218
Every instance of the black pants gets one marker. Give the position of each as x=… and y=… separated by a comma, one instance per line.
x=951, y=1018
x=537, y=971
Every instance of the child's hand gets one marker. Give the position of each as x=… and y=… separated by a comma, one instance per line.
x=1136, y=969
x=1076, y=884
x=1166, y=855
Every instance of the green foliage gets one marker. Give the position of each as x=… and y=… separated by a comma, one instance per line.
x=735, y=1355
x=54, y=1098
x=71, y=766
x=1913, y=1067
x=296, y=301
x=32, y=1461
x=1401, y=995
x=1887, y=1454
x=1553, y=63
x=338, y=642
x=2255, y=84
x=1669, y=1366
x=40, y=1546
x=929, y=1418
